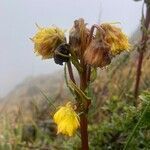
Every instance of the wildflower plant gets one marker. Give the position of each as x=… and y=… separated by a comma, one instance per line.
x=87, y=50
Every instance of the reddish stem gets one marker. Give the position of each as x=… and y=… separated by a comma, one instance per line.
x=70, y=72
x=90, y=39
x=83, y=117
x=141, y=53
x=92, y=31
x=84, y=79
x=84, y=132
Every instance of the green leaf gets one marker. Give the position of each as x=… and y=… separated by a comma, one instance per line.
x=93, y=74
x=80, y=93
x=49, y=100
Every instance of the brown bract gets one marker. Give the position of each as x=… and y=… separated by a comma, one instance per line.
x=78, y=36
x=97, y=54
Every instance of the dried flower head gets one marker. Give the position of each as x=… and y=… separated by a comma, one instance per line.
x=97, y=54
x=117, y=40
x=61, y=54
x=78, y=36
x=46, y=40
x=67, y=120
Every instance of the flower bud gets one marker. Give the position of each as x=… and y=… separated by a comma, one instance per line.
x=61, y=54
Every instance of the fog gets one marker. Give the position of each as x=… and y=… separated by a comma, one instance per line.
x=17, y=25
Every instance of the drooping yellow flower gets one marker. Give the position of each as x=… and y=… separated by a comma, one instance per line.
x=117, y=40
x=66, y=119
x=46, y=40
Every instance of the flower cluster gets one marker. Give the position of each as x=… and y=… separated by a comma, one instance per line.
x=67, y=120
x=97, y=51
x=106, y=45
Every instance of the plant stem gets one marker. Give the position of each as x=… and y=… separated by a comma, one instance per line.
x=83, y=117
x=136, y=127
x=141, y=52
x=92, y=31
x=84, y=132
x=89, y=41
x=84, y=80
x=70, y=72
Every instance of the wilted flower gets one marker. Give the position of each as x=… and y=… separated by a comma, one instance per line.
x=97, y=54
x=47, y=40
x=117, y=40
x=66, y=119
x=78, y=36
x=61, y=54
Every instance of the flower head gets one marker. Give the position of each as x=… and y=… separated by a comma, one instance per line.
x=97, y=54
x=117, y=40
x=78, y=36
x=66, y=119
x=46, y=40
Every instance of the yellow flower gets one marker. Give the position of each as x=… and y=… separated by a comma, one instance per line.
x=117, y=40
x=46, y=40
x=66, y=119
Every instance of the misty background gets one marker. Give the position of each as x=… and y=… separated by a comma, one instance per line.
x=17, y=25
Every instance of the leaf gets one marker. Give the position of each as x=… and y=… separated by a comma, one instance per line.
x=49, y=100
x=141, y=120
x=93, y=74
x=145, y=97
x=80, y=93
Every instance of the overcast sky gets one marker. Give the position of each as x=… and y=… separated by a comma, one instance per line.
x=17, y=25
